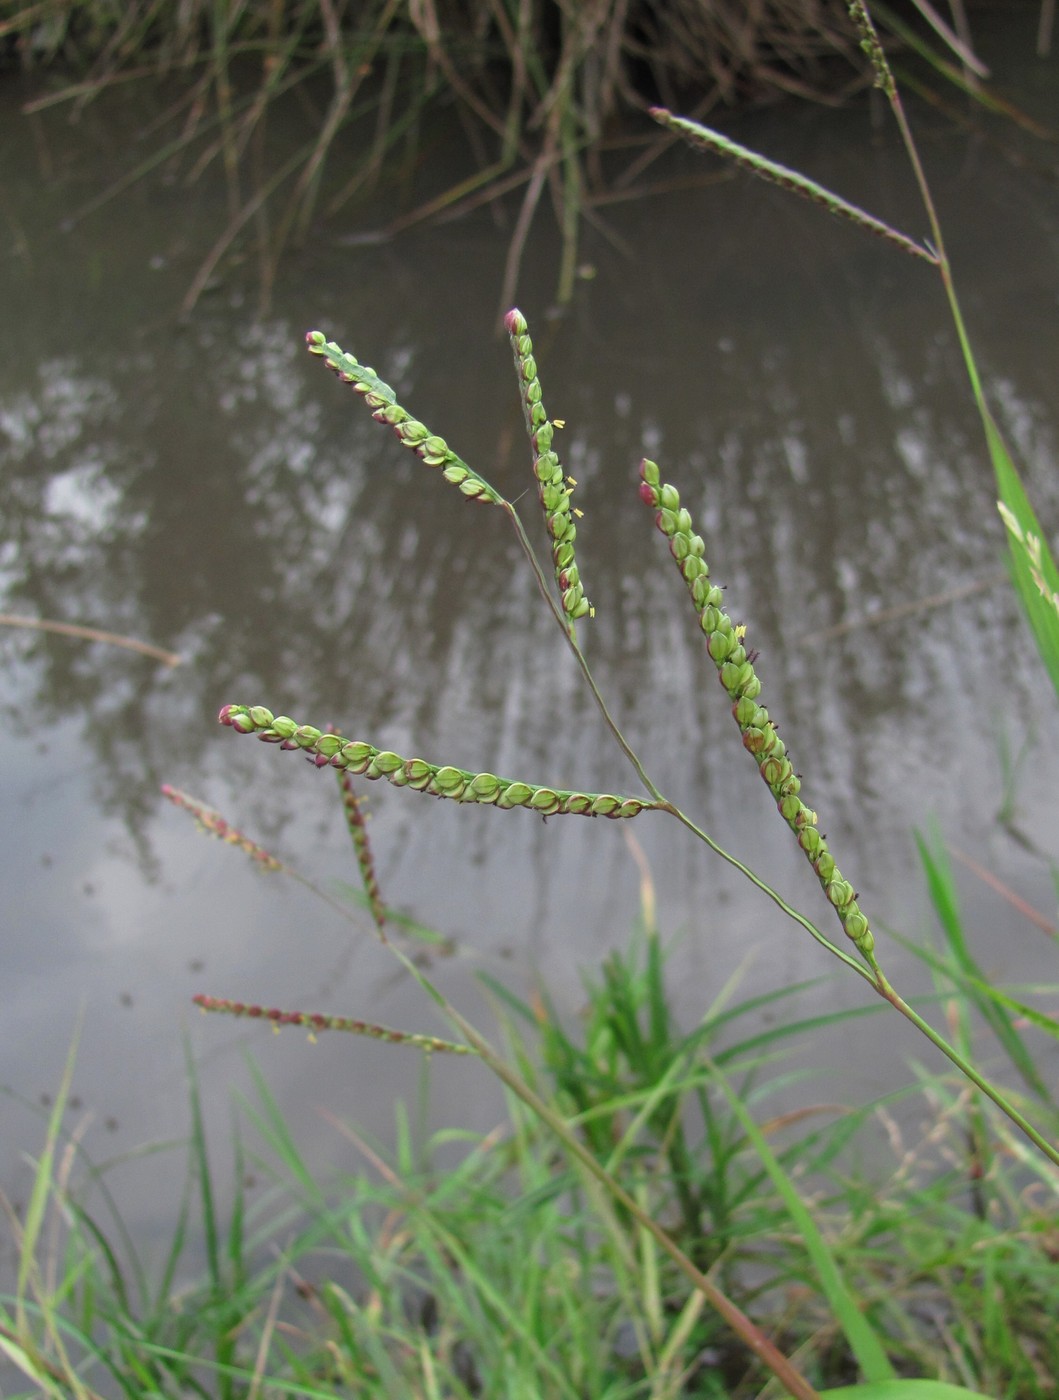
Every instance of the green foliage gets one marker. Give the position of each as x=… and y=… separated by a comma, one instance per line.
x=466, y=1265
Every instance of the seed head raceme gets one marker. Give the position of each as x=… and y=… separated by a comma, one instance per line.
x=735, y=670
x=215, y=825
x=704, y=138
x=314, y=1021
x=554, y=487
x=353, y=807
x=458, y=784
x=416, y=436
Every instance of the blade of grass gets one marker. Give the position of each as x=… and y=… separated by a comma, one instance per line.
x=862, y=1338
x=943, y=895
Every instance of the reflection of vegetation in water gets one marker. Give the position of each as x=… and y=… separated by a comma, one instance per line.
x=537, y=89
x=217, y=505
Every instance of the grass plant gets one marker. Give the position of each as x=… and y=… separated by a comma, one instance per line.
x=637, y=1226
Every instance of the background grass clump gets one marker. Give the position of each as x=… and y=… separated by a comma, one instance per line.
x=467, y=1265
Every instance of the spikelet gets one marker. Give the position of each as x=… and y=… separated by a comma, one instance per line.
x=869, y=43
x=704, y=138
x=353, y=808
x=215, y=825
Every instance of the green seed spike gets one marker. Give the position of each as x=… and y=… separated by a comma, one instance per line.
x=703, y=138
x=735, y=670
x=430, y=448
x=554, y=487
x=869, y=42
x=353, y=807
x=486, y=789
x=313, y=1022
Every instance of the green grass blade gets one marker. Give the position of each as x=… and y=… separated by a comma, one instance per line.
x=1033, y=567
x=862, y=1339
x=943, y=895
x=200, y=1158
x=43, y=1180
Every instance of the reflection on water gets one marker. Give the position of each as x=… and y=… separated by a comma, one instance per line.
x=211, y=489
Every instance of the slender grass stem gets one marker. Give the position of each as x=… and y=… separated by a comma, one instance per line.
x=566, y=626
x=966, y=1068
x=776, y=898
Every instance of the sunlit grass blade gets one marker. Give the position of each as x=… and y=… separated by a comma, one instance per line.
x=1033, y=567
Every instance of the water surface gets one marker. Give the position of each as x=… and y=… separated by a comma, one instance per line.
x=208, y=487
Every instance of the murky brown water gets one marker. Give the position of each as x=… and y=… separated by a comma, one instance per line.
x=211, y=489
